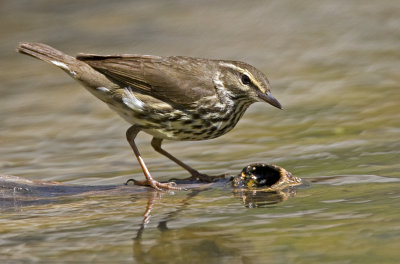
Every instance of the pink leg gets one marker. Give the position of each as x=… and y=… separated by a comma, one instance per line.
x=156, y=143
x=131, y=135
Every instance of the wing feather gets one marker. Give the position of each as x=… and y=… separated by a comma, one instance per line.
x=177, y=80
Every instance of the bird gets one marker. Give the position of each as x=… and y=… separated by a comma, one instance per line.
x=169, y=97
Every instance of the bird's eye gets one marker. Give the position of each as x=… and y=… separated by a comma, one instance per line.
x=245, y=79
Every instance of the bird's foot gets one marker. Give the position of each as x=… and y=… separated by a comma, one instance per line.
x=159, y=186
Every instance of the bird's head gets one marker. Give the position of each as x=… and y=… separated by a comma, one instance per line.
x=242, y=80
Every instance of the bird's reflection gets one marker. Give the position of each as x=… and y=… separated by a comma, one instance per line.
x=185, y=245
x=198, y=244
x=258, y=185
x=153, y=197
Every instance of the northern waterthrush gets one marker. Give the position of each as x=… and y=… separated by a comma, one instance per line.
x=177, y=98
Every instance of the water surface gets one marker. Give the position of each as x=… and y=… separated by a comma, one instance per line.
x=333, y=66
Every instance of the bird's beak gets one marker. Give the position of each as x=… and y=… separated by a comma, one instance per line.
x=267, y=97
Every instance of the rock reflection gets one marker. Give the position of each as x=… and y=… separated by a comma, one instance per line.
x=262, y=198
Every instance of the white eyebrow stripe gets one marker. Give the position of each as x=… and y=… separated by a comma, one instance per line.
x=234, y=67
x=244, y=71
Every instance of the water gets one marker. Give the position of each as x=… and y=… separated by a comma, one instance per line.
x=332, y=65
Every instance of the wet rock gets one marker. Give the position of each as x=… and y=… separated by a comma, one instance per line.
x=260, y=185
x=265, y=176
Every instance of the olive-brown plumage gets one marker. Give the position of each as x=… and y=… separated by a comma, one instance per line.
x=177, y=98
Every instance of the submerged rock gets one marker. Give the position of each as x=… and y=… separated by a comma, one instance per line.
x=265, y=176
x=261, y=184
x=258, y=184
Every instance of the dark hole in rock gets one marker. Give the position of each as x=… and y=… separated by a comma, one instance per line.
x=266, y=175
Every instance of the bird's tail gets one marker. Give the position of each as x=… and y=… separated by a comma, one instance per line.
x=51, y=55
x=77, y=69
x=46, y=53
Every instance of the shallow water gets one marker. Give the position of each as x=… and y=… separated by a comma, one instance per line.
x=333, y=66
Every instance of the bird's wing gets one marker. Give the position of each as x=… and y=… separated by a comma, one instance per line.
x=177, y=80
